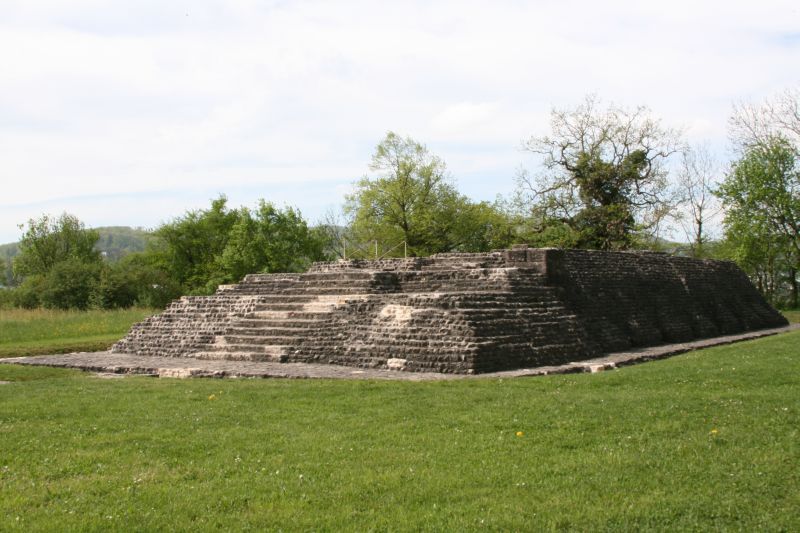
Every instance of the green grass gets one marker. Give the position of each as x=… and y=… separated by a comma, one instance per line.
x=708, y=440
x=792, y=315
x=40, y=331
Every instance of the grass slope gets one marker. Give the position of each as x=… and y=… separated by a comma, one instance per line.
x=792, y=315
x=704, y=441
x=41, y=331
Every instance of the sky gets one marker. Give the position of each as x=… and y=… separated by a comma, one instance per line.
x=130, y=113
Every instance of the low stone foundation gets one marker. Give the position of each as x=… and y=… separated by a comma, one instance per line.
x=460, y=313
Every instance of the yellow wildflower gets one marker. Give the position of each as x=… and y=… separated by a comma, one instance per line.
x=520, y=434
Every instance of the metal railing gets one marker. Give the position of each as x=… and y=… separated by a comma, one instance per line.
x=369, y=253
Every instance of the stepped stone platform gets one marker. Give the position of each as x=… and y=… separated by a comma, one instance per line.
x=460, y=313
x=107, y=364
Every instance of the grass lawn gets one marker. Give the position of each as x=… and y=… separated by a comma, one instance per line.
x=792, y=315
x=708, y=440
x=43, y=331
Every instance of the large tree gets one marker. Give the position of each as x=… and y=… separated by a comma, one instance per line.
x=189, y=246
x=270, y=239
x=49, y=241
x=207, y=247
x=761, y=196
x=410, y=200
x=57, y=263
x=604, y=174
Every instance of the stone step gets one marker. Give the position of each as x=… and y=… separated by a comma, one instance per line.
x=285, y=331
x=239, y=356
x=262, y=340
x=268, y=322
x=246, y=352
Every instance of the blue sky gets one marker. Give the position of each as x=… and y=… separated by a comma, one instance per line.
x=130, y=113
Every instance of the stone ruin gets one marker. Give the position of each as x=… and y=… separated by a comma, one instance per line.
x=461, y=313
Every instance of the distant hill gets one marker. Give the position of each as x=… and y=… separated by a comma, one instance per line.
x=117, y=241
x=114, y=242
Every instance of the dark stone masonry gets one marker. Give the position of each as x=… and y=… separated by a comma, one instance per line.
x=460, y=313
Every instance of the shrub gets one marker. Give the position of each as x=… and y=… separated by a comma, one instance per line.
x=28, y=294
x=70, y=285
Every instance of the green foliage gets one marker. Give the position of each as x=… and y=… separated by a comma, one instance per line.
x=761, y=195
x=28, y=295
x=114, y=243
x=137, y=279
x=49, y=241
x=60, y=266
x=57, y=263
x=604, y=177
x=268, y=240
x=411, y=199
x=190, y=245
x=70, y=284
x=7, y=253
x=705, y=441
x=403, y=201
x=606, y=221
x=6, y=298
x=481, y=227
x=205, y=248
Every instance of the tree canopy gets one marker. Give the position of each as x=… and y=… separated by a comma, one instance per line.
x=604, y=174
x=57, y=263
x=49, y=241
x=208, y=247
x=761, y=195
x=411, y=199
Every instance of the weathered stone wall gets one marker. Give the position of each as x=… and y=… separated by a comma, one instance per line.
x=460, y=312
x=630, y=299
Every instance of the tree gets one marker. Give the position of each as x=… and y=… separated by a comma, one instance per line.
x=188, y=247
x=7, y=253
x=750, y=243
x=403, y=201
x=604, y=174
x=758, y=124
x=697, y=203
x=208, y=247
x=761, y=195
x=270, y=240
x=57, y=263
x=70, y=284
x=412, y=200
x=481, y=227
x=136, y=279
x=49, y=241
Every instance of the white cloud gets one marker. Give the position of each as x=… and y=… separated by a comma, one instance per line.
x=286, y=99
x=464, y=118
